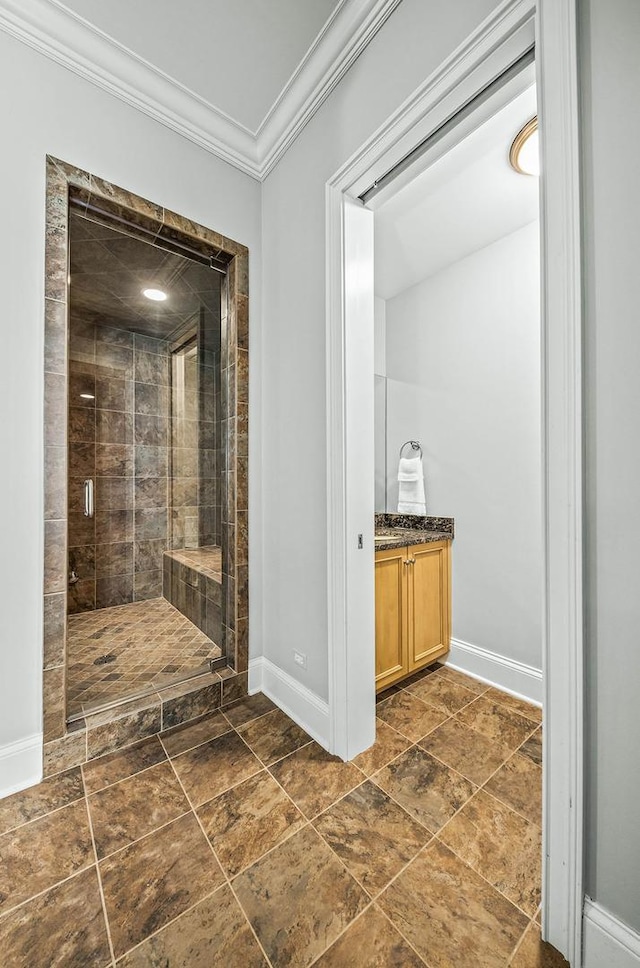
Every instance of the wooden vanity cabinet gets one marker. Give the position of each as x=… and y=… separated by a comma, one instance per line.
x=413, y=609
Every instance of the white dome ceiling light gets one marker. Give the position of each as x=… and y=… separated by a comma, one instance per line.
x=157, y=295
x=524, y=154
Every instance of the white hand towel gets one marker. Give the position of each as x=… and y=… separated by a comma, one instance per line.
x=411, y=497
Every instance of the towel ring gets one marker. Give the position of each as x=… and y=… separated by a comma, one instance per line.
x=415, y=444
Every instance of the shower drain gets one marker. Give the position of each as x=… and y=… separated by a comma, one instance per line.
x=104, y=659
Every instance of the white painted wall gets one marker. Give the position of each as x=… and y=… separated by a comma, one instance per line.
x=47, y=109
x=463, y=377
x=405, y=51
x=379, y=336
x=610, y=88
x=380, y=400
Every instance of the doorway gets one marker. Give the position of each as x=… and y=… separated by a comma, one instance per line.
x=493, y=49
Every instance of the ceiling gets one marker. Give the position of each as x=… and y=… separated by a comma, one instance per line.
x=466, y=200
x=109, y=269
x=240, y=79
x=237, y=55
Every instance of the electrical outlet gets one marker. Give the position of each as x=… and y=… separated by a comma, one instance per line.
x=300, y=659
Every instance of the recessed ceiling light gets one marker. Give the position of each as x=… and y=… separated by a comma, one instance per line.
x=524, y=153
x=87, y=396
x=156, y=294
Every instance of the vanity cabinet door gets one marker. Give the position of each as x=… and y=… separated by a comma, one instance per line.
x=429, y=603
x=391, y=616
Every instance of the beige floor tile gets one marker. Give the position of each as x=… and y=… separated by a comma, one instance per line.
x=534, y=953
x=444, y=695
x=409, y=715
x=54, y=792
x=39, y=854
x=182, y=738
x=426, y=788
x=370, y=941
x=519, y=784
x=496, y=721
x=244, y=710
x=299, y=898
x=214, y=932
x=451, y=916
x=156, y=879
x=465, y=750
x=273, y=736
x=247, y=821
x=453, y=675
x=527, y=709
x=214, y=767
x=128, y=810
x=501, y=845
x=117, y=766
x=533, y=747
x=388, y=744
x=371, y=835
x=314, y=779
x=63, y=928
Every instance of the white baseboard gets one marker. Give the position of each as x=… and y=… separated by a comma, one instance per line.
x=306, y=708
x=20, y=764
x=520, y=680
x=607, y=941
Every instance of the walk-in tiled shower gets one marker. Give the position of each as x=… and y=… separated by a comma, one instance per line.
x=145, y=464
x=145, y=565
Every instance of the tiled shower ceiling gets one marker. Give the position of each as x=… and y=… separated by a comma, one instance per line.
x=109, y=270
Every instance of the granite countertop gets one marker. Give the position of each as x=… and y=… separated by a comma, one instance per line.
x=410, y=529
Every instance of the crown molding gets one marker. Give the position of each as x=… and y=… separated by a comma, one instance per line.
x=66, y=38
x=348, y=31
x=69, y=40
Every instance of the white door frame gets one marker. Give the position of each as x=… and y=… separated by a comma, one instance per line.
x=495, y=44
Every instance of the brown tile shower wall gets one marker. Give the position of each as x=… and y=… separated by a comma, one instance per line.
x=118, y=436
x=210, y=433
x=196, y=457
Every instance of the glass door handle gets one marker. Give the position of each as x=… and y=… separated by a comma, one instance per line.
x=88, y=498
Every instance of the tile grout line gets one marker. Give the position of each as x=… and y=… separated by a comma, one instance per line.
x=396, y=928
x=494, y=796
x=422, y=850
x=44, y=891
x=311, y=823
x=98, y=875
x=159, y=930
x=435, y=836
x=535, y=727
x=322, y=953
x=149, y=833
x=482, y=877
x=520, y=940
x=453, y=816
x=220, y=865
x=487, y=688
x=145, y=769
x=395, y=877
x=48, y=813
